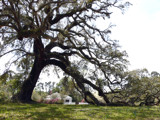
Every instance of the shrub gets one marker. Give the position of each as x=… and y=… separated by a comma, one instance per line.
x=5, y=94
x=54, y=101
x=36, y=97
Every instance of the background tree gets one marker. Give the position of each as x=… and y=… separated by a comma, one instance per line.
x=49, y=86
x=63, y=33
x=141, y=88
x=10, y=84
x=67, y=86
x=40, y=87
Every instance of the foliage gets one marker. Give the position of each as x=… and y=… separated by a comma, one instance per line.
x=144, y=87
x=41, y=33
x=37, y=34
x=9, y=85
x=67, y=86
x=50, y=86
x=40, y=87
x=4, y=95
x=141, y=88
x=36, y=97
x=76, y=112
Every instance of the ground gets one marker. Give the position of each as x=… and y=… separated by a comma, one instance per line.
x=16, y=111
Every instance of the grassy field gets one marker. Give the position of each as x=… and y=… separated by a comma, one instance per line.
x=12, y=111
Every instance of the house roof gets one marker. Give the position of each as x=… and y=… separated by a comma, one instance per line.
x=67, y=97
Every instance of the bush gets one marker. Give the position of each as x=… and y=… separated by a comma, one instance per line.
x=54, y=101
x=36, y=97
x=5, y=94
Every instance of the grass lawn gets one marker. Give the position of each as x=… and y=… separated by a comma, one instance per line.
x=37, y=111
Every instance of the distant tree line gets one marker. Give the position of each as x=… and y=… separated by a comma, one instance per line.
x=139, y=87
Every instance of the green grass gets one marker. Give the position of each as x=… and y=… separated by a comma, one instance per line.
x=16, y=111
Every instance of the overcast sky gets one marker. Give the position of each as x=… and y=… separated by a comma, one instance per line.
x=138, y=32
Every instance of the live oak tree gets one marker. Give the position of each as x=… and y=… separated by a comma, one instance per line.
x=142, y=88
x=139, y=88
x=63, y=33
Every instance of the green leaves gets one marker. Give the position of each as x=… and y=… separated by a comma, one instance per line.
x=143, y=86
x=10, y=84
x=63, y=33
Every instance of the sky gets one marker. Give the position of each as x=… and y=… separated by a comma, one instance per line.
x=138, y=32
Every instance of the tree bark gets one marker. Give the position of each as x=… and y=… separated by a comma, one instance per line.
x=80, y=80
x=29, y=84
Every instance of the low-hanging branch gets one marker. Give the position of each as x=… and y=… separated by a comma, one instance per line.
x=41, y=27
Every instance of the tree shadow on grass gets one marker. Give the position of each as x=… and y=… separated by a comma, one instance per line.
x=37, y=112
x=54, y=112
x=74, y=112
x=122, y=113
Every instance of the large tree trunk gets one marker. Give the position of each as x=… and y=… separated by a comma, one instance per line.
x=28, y=85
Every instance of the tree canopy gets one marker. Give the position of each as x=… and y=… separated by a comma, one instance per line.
x=63, y=33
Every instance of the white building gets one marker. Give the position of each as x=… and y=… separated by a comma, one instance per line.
x=68, y=100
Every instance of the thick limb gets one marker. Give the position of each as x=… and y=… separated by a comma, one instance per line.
x=28, y=85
